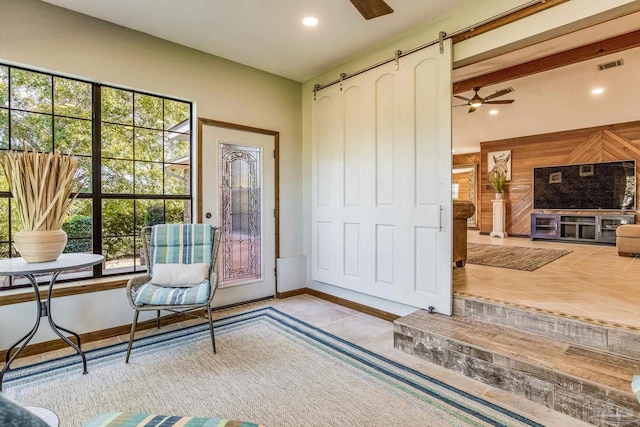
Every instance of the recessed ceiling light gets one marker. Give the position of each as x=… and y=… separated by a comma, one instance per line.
x=493, y=112
x=310, y=21
x=597, y=91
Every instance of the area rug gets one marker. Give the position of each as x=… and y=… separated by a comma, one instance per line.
x=270, y=368
x=514, y=257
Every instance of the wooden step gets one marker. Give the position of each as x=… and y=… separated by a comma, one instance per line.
x=587, y=384
x=596, y=334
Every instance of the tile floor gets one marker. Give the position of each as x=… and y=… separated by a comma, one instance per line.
x=592, y=281
x=370, y=332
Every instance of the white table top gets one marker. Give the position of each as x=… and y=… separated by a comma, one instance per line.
x=19, y=267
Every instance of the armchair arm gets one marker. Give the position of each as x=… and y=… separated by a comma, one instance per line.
x=132, y=286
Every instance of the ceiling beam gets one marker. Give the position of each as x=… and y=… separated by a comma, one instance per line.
x=557, y=60
x=539, y=7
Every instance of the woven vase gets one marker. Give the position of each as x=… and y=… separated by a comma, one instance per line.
x=40, y=246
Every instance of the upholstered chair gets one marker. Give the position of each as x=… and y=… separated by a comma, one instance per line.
x=181, y=272
x=462, y=210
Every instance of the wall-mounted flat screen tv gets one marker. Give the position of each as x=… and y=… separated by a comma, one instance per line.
x=589, y=186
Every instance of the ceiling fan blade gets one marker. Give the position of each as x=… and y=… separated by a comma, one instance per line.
x=370, y=9
x=499, y=93
x=461, y=105
x=500, y=101
x=472, y=109
x=462, y=97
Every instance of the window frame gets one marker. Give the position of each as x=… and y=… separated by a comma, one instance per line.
x=96, y=194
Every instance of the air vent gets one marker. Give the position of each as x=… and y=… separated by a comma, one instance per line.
x=612, y=64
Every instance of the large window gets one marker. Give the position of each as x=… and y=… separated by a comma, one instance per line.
x=135, y=156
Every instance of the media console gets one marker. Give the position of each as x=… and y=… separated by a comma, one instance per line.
x=578, y=227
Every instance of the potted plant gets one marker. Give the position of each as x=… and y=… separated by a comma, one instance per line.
x=497, y=180
x=40, y=184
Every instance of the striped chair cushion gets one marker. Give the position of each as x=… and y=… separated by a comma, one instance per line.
x=150, y=294
x=635, y=386
x=180, y=244
x=124, y=419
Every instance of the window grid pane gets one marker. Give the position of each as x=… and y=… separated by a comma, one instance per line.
x=144, y=157
x=31, y=91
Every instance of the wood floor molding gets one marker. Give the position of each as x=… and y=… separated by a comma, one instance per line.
x=87, y=337
x=57, y=344
x=293, y=293
x=340, y=301
x=353, y=305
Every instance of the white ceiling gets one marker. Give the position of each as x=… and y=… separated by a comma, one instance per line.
x=268, y=34
x=554, y=100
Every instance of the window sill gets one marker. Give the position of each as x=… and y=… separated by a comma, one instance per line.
x=16, y=296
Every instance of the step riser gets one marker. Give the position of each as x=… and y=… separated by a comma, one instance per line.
x=617, y=341
x=578, y=398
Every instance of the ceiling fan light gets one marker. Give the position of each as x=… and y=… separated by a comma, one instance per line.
x=476, y=104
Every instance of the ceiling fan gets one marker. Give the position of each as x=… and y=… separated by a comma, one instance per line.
x=372, y=8
x=477, y=101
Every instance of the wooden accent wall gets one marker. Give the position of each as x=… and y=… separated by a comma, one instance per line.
x=468, y=159
x=598, y=144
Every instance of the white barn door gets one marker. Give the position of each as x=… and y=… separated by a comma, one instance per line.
x=381, y=188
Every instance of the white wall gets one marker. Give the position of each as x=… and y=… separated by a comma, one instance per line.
x=80, y=313
x=534, y=28
x=37, y=34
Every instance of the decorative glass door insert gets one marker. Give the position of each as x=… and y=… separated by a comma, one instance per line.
x=240, y=214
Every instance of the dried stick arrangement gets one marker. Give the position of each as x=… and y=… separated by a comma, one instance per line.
x=41, y=185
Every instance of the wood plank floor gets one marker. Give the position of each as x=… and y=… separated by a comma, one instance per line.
x=592, y=281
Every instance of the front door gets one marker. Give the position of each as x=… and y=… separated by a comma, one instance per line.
x=238, y=195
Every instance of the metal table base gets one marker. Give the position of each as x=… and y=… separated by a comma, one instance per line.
x=43, y=309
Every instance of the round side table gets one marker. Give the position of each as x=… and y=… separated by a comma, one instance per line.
x=19, y=267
